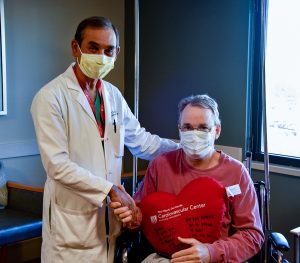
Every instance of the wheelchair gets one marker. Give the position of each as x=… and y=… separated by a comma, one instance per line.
x=133, y=247
x=275, y=243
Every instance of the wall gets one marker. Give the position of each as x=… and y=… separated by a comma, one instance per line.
x=191, y=47
x=38, y=36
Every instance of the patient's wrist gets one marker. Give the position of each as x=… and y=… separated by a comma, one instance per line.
x=137, y=219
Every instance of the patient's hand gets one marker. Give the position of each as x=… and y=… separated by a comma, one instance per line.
x=123, y=213
x=198, y=252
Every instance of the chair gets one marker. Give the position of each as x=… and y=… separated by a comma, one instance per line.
x=134, y=247
x=21, y=221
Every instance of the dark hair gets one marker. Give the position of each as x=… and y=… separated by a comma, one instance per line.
x=98, y=22
x=201, y=101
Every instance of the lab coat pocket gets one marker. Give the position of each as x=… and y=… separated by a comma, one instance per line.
x=76, y=229
x=117, y=138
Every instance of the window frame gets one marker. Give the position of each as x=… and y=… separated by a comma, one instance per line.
x=256, y=92
x=3, y=90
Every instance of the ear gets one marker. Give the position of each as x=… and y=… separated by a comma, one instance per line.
x=117, y=53
x=218, y=131
x=75, y=50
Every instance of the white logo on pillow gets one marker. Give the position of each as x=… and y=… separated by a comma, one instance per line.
x=153, y=219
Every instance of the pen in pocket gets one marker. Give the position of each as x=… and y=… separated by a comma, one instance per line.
x=115, y=126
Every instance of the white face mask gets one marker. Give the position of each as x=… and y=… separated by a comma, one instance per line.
x=196, y=144
x=95, y=66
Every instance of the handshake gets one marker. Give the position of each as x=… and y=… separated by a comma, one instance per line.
x=125, y=208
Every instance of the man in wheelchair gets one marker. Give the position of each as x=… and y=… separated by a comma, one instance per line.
x=234, y=233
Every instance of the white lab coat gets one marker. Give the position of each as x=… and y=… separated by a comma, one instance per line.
x=79, y=172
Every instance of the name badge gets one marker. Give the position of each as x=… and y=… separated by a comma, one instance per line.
x=233, y=190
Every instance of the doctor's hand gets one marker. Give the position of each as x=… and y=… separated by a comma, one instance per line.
x=118, y=194
x=198, y=252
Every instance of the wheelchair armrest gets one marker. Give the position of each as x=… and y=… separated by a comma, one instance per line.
x=279, y=242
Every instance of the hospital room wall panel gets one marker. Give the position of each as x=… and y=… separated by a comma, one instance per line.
x=189, y=47
x=193, y=47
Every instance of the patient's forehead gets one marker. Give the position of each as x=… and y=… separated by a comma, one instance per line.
x=195, y=116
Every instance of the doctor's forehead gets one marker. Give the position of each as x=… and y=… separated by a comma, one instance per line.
x=100, y=36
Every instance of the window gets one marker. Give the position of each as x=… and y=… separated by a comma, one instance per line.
x=3, y=103
x=278, y=59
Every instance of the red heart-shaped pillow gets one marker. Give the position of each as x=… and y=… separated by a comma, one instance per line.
x=197, y=211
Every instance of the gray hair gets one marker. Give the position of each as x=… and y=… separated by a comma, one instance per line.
x=201, y=101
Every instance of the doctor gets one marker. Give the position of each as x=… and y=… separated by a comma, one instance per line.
x=82, y=124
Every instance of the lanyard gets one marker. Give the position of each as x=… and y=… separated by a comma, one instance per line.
x=101, y=126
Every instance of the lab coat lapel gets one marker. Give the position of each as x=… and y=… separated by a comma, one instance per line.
x=79, y=96
x=85, y=105
x=107, y=107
